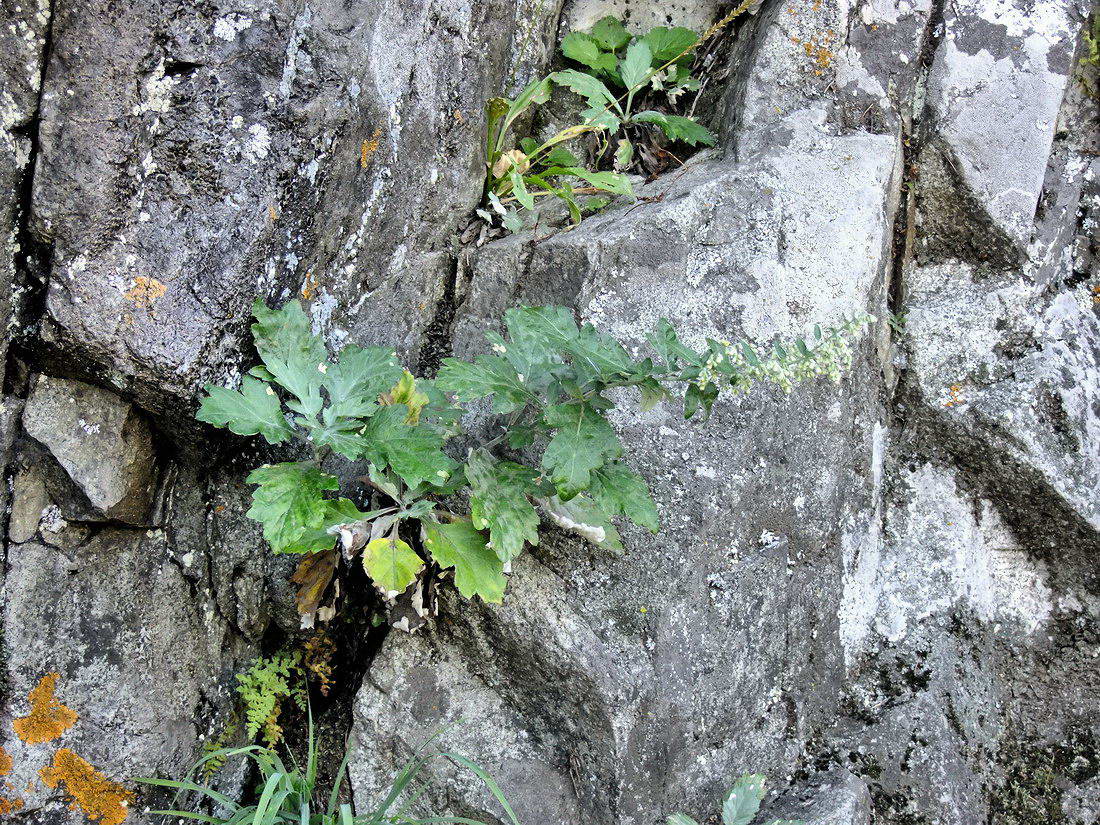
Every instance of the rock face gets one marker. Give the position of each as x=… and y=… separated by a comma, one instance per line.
x=881, y=593
x=104, y=445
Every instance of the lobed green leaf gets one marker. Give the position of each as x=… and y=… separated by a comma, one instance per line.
x=356, y=380
x=295, y=357
x=478, y=570
x=413, y=451
x=584, y=441
x=289, y=500
x=618, y=490
x=487, y=375
x=499, y=501
x=255, y=409
x=678, y=128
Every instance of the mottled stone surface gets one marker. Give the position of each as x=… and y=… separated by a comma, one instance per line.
x=640, y=16
x=101, y=441
x=643, y=682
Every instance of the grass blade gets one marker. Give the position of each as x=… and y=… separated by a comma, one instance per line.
x=187, y=785
x=334, y=794
x=494, y=789
x=186, y=815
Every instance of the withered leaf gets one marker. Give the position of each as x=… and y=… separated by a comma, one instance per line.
x=313, y=576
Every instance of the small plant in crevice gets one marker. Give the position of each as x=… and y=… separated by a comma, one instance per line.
x=740, y=805
x=897, y=321
x=264, y=687
x=215, y=747
x=1091, y=57
x=551, y=447
x=632, y=87
x=292, y=794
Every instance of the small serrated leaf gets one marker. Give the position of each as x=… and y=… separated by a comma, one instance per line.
x=587, y=86
x=610, y=33
x=583, y=48
x=665, y=43
x=634, y=68
x=742, y=801
x=676, y=127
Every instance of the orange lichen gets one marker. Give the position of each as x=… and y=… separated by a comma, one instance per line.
x=1096, y=294
x=145, y=291
x=48, y=718
x=817, y=49
x=369, y=147
x=309, y=288
x=99, y=798
x=12, y=804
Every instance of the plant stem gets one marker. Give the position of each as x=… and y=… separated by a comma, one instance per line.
x=580, y=190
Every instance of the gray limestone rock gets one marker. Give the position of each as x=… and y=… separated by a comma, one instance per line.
x=636, y=682
x=104, y=444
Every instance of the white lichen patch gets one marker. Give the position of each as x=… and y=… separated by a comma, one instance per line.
x=228, y=27
x=156, y=92
x=258, y=143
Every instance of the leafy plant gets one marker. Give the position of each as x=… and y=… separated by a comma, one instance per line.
x=1091, y=56
x=289, y=795
x=549, y=382
x=215, y=747
x=614, y=71
x=264, y=687
x=1092, y=42
x=740, y=804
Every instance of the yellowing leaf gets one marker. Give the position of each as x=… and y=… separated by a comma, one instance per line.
x=404, y=392
x=392, y=564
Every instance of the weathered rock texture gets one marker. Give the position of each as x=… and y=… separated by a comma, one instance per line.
x=883, y=593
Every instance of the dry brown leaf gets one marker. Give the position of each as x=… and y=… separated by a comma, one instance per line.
x=313, y=576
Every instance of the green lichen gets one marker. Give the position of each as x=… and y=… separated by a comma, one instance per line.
x=1034, y=778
